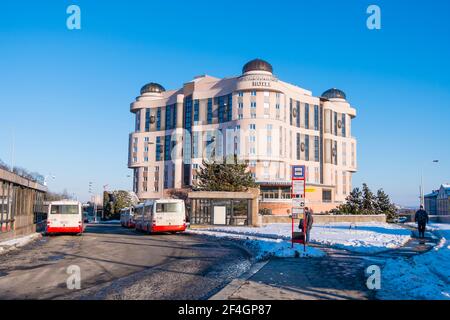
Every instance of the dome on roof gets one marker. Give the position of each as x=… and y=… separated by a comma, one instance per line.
x=334, y=94
x=257, y=65
x=152, y=88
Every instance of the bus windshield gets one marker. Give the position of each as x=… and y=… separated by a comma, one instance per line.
x=168, y=207
x=64, y=209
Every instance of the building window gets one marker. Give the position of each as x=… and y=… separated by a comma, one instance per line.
x=306, y=116
x=344, y=183
x=158, y=148
x=210, y=111
x=266, y=94
x=316, y=149
x=252, y=126
x=147, y=120
x=240, y=94
x=277, y=106
x=344, y=154
x=195, y=145
x=306, y=147
x=158, y=119
x=316, y=117
x=326, y=195
x=196, y=112
x=138, y=121
x=240, y=116
x=253, y=93
x=252, y=164
x=266, y=105
x=241, y=105
x=167, y=149
x=253, y=115
x=298, y=146
x=344, y=130
x=335, y=123
x=298, y=114
x=253, y=104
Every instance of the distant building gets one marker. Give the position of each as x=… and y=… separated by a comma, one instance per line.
x=431, y=202
x=443, y=200
x=267, y=123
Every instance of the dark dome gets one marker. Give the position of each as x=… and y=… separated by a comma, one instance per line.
x=152, y=88
x=257, y=65
x=334, y=94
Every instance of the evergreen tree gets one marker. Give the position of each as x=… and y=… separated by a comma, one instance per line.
x=384, y=205
x=368, y=200
x=214, y=176
x=354, y=201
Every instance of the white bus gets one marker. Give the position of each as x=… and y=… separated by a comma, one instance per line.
x=127, y=217
x=164, y=215
x=65, y=216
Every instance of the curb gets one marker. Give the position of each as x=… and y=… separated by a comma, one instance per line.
x=234, y=285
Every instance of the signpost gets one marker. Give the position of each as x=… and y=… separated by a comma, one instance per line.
x=298, y=203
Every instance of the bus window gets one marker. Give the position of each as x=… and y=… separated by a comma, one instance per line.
x=168, y=207
x=64, y=209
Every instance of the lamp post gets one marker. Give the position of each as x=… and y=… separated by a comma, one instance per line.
x=421, y=189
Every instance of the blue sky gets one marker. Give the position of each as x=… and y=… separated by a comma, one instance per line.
x=66, y=94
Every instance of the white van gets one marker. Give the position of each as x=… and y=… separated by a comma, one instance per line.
x=65, y=216
x=127, y=217
x=164, y=215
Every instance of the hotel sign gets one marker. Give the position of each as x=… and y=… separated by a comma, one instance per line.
x=259, y=80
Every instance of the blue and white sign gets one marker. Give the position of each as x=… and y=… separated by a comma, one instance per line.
x=298, y=172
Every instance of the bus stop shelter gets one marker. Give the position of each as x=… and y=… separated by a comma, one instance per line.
x=224, y=208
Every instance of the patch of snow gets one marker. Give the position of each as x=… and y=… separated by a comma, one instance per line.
x=364, y=237
x=262, y=247
x=425, y=276
x=18, y=242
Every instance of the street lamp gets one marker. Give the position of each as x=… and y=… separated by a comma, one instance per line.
x=421, y=189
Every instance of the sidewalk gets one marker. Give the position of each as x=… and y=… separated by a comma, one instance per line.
x=340, y=275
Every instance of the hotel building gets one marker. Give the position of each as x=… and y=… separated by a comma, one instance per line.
x=268, y=123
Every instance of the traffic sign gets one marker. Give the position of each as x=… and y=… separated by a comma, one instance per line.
x=298, y=172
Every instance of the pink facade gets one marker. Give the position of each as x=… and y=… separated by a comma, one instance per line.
x=267, y=123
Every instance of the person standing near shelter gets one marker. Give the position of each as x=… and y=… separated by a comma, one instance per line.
x=309, y=222
x=421, y=219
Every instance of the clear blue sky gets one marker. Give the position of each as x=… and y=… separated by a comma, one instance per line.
x=66, y=94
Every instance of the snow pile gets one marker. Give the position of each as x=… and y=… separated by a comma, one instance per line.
x=425, y=276
x=18, y=242
x=262, y=247
x=364, y=237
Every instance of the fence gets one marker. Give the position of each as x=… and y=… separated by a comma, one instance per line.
x=21, y=205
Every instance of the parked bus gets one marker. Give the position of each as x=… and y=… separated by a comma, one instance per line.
x=127, y=217
x=65, y=216
x=164, y=215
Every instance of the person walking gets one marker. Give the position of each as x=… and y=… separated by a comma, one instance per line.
x=421, y=218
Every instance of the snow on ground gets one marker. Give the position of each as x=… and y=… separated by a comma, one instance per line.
x=425, y=276
x=17, y=242
x=263, y=247
x=363, y=237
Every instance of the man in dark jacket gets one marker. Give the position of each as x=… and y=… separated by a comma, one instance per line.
x=309, y=222
x=422, y=219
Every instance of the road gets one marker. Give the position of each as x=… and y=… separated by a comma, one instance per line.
x=118, y=263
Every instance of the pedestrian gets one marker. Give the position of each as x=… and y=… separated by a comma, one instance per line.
x=309, y=220
x=421, y=219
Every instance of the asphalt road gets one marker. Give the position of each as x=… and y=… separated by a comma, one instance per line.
x=118, y=263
